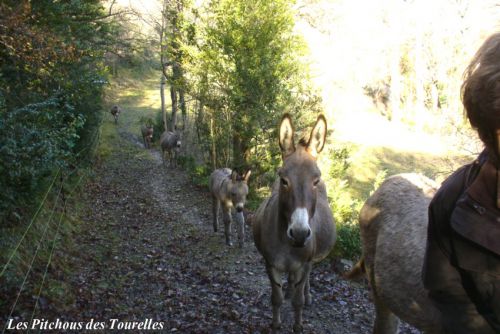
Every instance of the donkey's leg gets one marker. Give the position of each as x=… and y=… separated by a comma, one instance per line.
x=289, y=286
x=226, y=216
x=307, y=291
x=276, y=295
x=298, y=295
x=215, y=211
x=240, y=225
x=169, y=158
x=385, y=321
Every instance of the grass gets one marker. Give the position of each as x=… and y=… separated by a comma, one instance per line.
x=32, y=253
x=367, y=162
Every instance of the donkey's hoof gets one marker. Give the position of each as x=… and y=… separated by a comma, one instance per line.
x=297, y=328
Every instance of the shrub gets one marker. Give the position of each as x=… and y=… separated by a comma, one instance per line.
x=345, y=208
x=36, y=140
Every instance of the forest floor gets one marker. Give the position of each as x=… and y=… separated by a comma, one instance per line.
x=146, y=250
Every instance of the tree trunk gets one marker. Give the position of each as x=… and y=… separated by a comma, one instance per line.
x=240, y=151
x=163, y=66
x=162, y=96
x=182, y=105
x=173, y=98
x=212, y=138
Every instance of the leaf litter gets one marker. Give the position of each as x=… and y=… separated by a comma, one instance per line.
x=146, y=250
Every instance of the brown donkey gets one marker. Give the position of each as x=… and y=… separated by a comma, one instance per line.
x=294, y=227
x=147, y=135
x=229, y=189
x=393, y=224
x=170, y=143
x=115, y=111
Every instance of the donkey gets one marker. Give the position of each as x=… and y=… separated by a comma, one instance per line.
x=170, y=143
x=229, y=189
x=147, y=135
x=294, y=227
x=115, y=111
x=393, y=224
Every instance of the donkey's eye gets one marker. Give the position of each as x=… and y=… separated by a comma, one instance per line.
x=284, y=182
x=316, y=182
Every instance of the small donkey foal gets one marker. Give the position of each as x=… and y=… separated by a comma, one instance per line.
x=230, y=189
x=115, y=111
x=147, y=135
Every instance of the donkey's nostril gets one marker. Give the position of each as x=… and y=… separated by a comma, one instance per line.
x=291, y=234
x=239, y=209
x=308, y=233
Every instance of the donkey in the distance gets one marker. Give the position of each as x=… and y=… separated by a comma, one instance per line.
x=393, y=225
x=229, y=189
x=147, y=135
x=295, y=227
x=115, y=111
x=170, y=143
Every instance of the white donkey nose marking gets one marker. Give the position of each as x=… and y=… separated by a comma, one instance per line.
x=299, y=220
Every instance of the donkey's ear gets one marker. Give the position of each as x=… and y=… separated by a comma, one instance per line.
x=234, y=175
x=286, y=133
x=247, y=176
x=318, y=137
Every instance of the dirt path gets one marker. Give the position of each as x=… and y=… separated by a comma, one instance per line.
x=147, y=251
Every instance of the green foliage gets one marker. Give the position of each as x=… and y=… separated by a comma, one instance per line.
x=199, y=174
x=345, y=208
x=348, y=241
x=34, y=145
x=52, y=75
x=248, y=73
x=158, y=126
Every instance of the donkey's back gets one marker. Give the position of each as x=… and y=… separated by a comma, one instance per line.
x=393, y=225
x=170, y=143
x=169, y=139
x=115, y=111
x=217, y=180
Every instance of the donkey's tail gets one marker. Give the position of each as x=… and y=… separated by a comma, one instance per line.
x=357, y=271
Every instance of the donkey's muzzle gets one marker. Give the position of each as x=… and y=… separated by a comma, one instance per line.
x=299, y=237
x=239, y=209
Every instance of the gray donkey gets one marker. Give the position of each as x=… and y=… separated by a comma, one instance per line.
x=115, y=111
x=229, y=189
x=170, y=143
x=295, y=227
x=393, y=224
x=147, y=135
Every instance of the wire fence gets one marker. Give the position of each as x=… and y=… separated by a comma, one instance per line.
x=60, y=200
x=35, y=253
